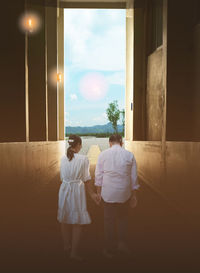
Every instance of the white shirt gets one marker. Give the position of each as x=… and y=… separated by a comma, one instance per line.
x=116, y=173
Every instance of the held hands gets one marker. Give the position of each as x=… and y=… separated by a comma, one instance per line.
x=96, y=198
x=133, y=201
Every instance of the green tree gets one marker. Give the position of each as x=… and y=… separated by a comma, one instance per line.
x=113, y=114
x=123, y=118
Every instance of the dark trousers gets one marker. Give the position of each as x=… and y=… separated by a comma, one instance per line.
x=115, y=224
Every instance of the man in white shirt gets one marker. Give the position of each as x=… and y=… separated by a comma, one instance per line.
x=116, y=181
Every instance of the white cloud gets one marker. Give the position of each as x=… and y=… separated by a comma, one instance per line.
x=85, y=106
x=102, y=119
x=73, y=97
x=105, y=115
x=116, y=78
x=91, y=49
x=72, y=122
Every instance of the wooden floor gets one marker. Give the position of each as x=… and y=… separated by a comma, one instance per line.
x=161, y=241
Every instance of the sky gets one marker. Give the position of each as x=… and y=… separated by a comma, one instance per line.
x=94, y=60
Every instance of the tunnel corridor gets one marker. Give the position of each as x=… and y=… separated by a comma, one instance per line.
x=161, y=239
x=162, y=130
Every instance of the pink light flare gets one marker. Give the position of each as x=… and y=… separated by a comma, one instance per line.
x=93, y=86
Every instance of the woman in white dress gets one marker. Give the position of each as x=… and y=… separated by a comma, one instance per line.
x=72, y=208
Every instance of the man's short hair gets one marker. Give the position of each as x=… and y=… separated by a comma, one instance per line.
x=115, y=138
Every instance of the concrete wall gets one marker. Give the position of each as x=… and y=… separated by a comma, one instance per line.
x=182, y=175
x=183, y=101
x=29, y=182
x=154, y=96
x=196, y=58
x=29, y=175
x=149, y=161
x=28, y=104
x=29, y=163
x=176, y=176
x=171, y=168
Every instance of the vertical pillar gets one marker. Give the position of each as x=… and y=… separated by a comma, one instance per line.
x=12, y=91
x=51, y=68
x=129, y=72
x=197, y=81
x=60, y=38
x=37, y=79
x=164, y=68
x=139, y=78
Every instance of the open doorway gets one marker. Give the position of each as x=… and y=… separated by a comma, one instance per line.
x=94, y=69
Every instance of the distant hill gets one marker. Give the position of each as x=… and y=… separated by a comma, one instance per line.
x=97, y=129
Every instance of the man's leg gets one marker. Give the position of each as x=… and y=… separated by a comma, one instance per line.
x=122, y=215
x=109, y=226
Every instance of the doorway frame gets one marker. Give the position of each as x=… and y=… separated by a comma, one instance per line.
x=128, y=5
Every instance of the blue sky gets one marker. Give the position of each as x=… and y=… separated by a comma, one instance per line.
x=94, y=60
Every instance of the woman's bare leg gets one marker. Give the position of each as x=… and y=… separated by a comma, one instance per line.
x=66, y=231
x=76, y=236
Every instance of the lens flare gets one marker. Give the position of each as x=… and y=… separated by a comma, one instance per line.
x=55, y=77
x=30, y=23
x=93, y=86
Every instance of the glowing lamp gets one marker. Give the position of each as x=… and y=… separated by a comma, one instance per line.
x=59, y=77
x=30, y=22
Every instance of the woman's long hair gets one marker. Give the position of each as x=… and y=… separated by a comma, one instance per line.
x=73, y=141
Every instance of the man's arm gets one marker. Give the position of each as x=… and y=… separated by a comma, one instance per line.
x=134, y=184
x=99, y=176
x=134, y=179
x=99, y=172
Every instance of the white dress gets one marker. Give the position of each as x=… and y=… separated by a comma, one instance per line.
x=72, y=207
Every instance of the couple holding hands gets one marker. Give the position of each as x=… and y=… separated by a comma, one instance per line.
x=116, y=185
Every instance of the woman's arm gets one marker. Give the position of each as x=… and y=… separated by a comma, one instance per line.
x=98, y=190
x=91, y=190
